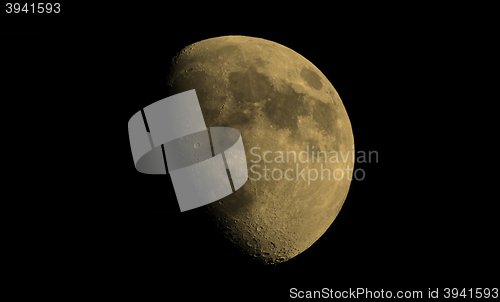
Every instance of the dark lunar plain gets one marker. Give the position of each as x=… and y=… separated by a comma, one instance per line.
x=82, y=222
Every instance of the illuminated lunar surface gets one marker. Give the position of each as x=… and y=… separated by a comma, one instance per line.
x=282, y=104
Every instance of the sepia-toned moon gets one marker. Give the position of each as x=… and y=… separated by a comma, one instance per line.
x=280, y=102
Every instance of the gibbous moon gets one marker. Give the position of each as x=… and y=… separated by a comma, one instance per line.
x=297, y=135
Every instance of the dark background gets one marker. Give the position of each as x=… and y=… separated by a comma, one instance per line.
x=81, y=220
